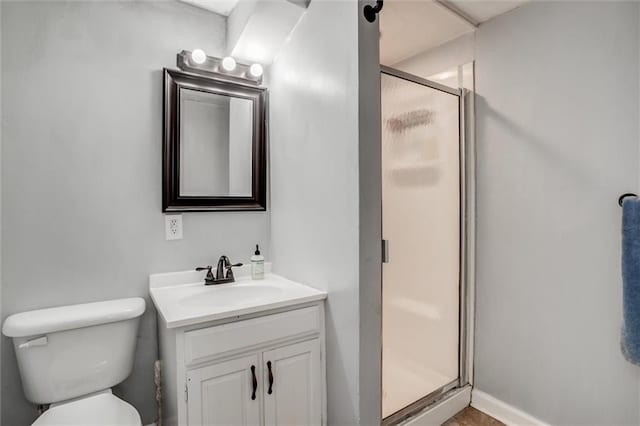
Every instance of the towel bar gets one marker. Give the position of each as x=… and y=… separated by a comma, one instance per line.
x=625, y=195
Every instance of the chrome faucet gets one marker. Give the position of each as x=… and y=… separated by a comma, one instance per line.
x=224, y=273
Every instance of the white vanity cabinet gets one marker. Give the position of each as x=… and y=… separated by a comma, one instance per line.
x=292, y=386
x=219, y=394
x=261, y=369
x=286, y=382
x=255, y=361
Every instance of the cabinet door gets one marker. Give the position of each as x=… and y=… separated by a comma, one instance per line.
x=225, y=393
x=293, y=385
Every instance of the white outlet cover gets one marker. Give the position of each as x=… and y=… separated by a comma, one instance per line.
x=173, y=226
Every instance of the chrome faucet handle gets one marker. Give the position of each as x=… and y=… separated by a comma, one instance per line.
x=209, y=278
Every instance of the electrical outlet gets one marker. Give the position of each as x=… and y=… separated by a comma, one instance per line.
x=173, y=226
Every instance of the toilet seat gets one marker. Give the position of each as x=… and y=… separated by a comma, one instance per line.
x=102, y=409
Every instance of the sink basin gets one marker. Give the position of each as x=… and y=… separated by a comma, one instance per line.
x=182, y=299
x=230, y=295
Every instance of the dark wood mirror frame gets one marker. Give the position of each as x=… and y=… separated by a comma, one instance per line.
x=172, y=201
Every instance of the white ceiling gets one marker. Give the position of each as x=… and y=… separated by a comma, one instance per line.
x=221, y=7
x=483, y=10
x=410, y=27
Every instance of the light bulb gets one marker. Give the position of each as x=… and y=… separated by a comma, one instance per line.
x=256, y=70
x=198, y=56
x=228, y=64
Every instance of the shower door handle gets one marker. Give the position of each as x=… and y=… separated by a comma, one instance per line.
x=385, y=251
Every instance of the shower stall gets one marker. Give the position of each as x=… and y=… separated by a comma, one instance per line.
x=424, y=290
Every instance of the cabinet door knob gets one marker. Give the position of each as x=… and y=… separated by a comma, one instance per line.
x=255, y=382
x=270, y=391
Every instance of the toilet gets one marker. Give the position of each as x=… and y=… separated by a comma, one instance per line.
x=71, y=356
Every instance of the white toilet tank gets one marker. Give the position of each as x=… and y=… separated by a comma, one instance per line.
x=71, y=351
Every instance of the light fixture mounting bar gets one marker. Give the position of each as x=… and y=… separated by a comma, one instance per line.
x=213, y=66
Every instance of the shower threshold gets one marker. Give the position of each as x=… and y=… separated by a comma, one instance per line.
x=434, y=408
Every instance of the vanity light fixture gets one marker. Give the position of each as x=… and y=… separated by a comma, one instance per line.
x=198, y=56
x=228, y=64
x=226, y=68
x=256, y=71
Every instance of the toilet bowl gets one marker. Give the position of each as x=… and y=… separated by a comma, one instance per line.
x=71, y=356
x=102, y=409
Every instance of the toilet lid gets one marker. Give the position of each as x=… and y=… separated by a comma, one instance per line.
x=103, y=409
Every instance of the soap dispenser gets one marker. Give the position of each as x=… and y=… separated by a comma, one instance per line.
x=257, y=265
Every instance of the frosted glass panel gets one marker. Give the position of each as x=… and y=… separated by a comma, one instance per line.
x=421, y=221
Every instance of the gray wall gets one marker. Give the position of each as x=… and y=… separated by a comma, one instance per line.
x=204, y=143
x=557, y=140
x=240, y=146
x=441, y=58
x=81, y=166
x=314, y=179
x=1, y=121
x=370, y=216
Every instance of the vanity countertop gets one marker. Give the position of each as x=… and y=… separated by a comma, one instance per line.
x=182, y=298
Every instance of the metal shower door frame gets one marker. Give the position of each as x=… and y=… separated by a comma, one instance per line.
x=467, y=255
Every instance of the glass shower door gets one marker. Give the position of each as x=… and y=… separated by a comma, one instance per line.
x=421, y=222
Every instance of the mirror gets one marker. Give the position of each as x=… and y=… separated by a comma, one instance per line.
x=214, y=144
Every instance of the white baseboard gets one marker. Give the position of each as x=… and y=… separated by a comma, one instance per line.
x=507, y=414
x=443, y=410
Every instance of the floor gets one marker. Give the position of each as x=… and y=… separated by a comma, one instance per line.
x=472, y=417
